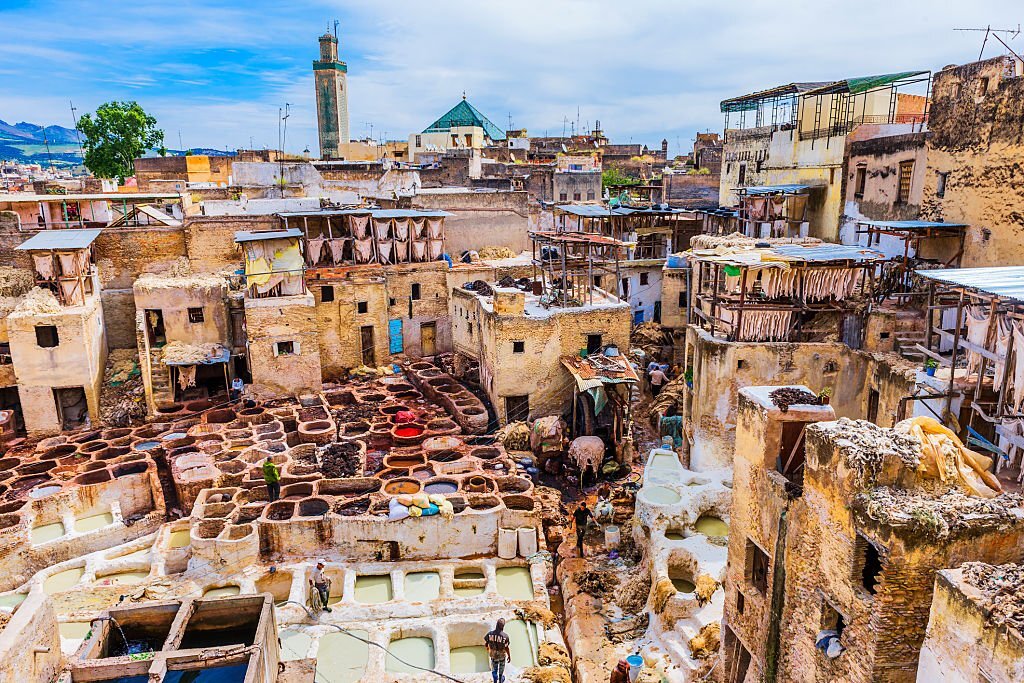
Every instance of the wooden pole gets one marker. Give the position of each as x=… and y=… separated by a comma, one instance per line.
x=952, y=361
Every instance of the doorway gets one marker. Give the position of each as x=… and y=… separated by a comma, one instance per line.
x=366, y=344
x=517, y=408
x=873, y=406
x=11, y=400
x=72, y=406
x=428, y=339
x=155, y=332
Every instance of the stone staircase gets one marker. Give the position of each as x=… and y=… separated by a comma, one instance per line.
x=905, y=344
x=160, y=379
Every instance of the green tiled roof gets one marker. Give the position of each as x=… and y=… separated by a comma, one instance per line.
x=465, y=114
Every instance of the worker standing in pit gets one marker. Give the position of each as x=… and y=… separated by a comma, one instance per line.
x=497, y=643
x=272, y=477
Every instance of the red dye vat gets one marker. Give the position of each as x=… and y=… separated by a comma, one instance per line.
x=405, y=432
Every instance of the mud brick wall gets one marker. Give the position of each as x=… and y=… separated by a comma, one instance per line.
x=977, y=137
x=277, y=319
x=339, y=321
x=210, y=240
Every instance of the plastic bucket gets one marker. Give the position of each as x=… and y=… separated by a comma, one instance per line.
x=611, y=536
x=636, y=662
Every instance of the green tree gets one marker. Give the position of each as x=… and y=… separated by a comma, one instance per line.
x=115, y=136
x=615, y=176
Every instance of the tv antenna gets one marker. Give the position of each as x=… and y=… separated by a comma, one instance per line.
x=994, y=32
x=78, y=133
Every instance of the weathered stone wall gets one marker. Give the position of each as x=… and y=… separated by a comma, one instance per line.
x=278, y=319
x=721, y=368
x=210, y=240
x=690, y=191
x=963, y=639
x=481, y=219
x=577, y=186
x=977, y=138
x=339, y=321
x=78, y=360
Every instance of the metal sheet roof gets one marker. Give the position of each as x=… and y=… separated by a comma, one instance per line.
x=826, y=251
x=598, y=211
x=79, y=197
x=246, y=236
x=751, y=101
x=59, y=239
x=865, y=83
x=1005, y=281
x=772, y=189
x=911, y=225
x=376, y=213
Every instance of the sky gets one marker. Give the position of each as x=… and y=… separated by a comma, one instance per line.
x=217, y=73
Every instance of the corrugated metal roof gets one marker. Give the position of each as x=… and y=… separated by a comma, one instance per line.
x=911, y=225
x=599, y=211
x=59, y=239
x=376, y=213
x=864, y=83
x=824, y=252
x=772, y=189
x=1004, y=281
x=246, y=236
x=750, y=102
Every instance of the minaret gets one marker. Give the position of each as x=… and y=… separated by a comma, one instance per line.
x=330, y=76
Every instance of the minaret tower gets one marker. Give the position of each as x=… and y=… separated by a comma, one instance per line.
x=330, y=76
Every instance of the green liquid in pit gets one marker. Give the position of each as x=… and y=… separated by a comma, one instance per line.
x=93, y=522
x=371, y=590
x=416, y=651
x=341, y=658
x=515, y=583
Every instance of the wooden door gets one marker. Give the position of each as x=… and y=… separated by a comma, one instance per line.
x=428, y=339
x=366, y=344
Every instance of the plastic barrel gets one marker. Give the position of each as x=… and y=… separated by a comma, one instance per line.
x=527, y=541
x=507, y=543
x=611, y=536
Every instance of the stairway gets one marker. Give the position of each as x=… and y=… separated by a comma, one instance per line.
x=160, y=379
x=905, y=343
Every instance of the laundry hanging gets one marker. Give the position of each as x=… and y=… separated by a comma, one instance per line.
x=1004, y=332
x=977, y=333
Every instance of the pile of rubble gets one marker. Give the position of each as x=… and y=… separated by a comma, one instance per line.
x=1003, y=587
x=123, y=396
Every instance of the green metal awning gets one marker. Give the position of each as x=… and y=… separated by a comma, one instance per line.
x=865, y=83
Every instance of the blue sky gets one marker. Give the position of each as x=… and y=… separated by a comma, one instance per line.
x=218, y=71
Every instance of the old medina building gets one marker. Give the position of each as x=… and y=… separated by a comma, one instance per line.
x=808, y=519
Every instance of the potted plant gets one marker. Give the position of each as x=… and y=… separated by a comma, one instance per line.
x=825, y=396
x=929, y=367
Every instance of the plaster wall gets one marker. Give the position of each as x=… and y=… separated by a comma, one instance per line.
x=481, y=219
x=721, y=368
x=30, y=650
x=278, y=319
x=977, y=143
x=963, y=640
x=78, y=360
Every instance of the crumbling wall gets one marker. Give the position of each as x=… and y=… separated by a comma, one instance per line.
x=210, y=240
x=339, y=322
x=976, y=142
x=283, y=319
x=963, y=639
x=480, y=219
x=721, y=368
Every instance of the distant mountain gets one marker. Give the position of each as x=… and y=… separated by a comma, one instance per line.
x=26, y=143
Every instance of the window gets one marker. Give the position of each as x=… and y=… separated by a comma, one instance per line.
x=594, y=342
x=419, y=140
x=576, y=196
x=790, y=462
x=741, y=602
x=518, y=347
x=362, y=307
x=860, y=182
x=470, y=326
x=940, y=184
x=982, y=86
x=327, y=294
x=756, y=567
x=625, y=286
x=742, y=178
x=562, y=197
x=590, y=195
x=757, y=165
x=906, y=173
x=284, y=348
x=415, y=290
x=873, y=406
x=867, y=563
x=517, y=408
x=682, y=299
x=597, y=281
x=391, y=301
x=741, y=364
x=644, y=278
x=46, y=336
x=195, y=315
x=831, y=619
x=575, y=167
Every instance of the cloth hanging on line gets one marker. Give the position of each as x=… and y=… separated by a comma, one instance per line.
x=1004, y=332
x=977, y=333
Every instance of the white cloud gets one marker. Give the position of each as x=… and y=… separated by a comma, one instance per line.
x=647, y=69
